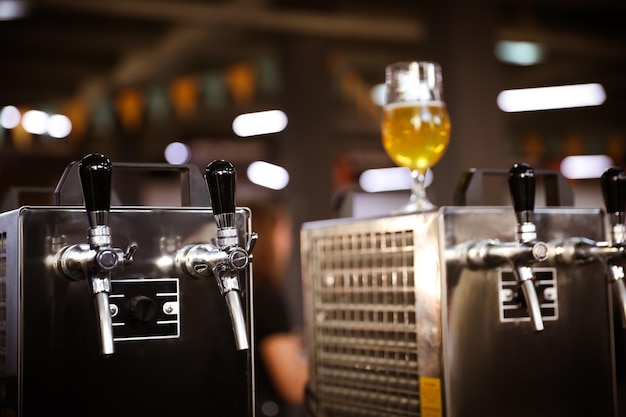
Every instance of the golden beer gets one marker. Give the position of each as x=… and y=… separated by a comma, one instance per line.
x=416, y=135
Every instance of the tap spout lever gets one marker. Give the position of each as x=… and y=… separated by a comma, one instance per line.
x=220, y=177
x=95, y=260
x=522, y=189
x=95, y=177
x=613, y=184
x=520, y=254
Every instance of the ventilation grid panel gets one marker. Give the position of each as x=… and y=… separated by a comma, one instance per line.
x=365, y=324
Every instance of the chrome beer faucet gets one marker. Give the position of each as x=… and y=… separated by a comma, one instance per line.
x=226, y=259
x=95, y=260
x=582, y=250
x=521, y=254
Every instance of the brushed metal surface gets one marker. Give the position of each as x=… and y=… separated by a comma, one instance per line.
x=385, y=307
x=51, y=355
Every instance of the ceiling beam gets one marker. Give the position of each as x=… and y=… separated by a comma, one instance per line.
x=234, y=15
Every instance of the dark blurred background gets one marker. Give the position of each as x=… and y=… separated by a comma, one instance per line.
x=135, y=75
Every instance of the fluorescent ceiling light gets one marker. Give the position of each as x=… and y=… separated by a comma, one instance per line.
x=520, y=53
x=35, y=122
x=389, y=179
x=12, y=9
x=10, y=117
x=259, y=123
x=585, y=166
x=545, y=98
x=59, y=126
x=268, y=175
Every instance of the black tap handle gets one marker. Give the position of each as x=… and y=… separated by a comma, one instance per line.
x=95, y=178
x=613, y=183
x=220, y=178
x=522, y=187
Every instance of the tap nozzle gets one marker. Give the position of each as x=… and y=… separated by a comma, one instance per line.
x=613, y=183
x=220, y=177
x=522, y=189
x=520, y=254
x=95, y=177
x=95, y=260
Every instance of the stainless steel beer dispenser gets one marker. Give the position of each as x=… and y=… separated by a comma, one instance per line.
x=610, y=255
x=461, y=311
x=163, y=338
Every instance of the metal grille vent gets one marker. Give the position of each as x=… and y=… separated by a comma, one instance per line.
x=365, y=359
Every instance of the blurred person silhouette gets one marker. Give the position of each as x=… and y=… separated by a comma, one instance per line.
x=281, y=368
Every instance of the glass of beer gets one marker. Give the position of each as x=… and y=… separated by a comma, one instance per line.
x=415, y=123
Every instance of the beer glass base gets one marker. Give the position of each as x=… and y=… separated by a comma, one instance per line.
x=419, y=200
x=415, y=207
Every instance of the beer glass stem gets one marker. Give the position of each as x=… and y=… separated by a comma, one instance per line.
x=419, y=200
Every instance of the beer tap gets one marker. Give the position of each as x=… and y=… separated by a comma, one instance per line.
x=582, y=250
x=521, y=254
x=226, y=259
x=95, y=260
x=613, y=184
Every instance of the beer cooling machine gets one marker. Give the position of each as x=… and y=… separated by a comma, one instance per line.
x=468, y=311
x=90, y=329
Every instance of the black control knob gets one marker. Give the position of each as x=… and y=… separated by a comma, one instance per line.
x=220, y=177
x=522, y=187
x=142, y=309
x=95, y=178
x=613, y=183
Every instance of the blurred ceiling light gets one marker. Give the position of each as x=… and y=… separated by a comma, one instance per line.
x=585, y=166
x=59, y=126
x=389, y=179
x=259, y=123
x=35, y=122
x=12, y=9
x=177, y=153
x=520, y=53
x=378, y=93
x=268, y=175
x=545, y=98
x=10, y=117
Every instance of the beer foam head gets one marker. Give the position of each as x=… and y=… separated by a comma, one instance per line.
x=415, y=103
x=413, y=81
